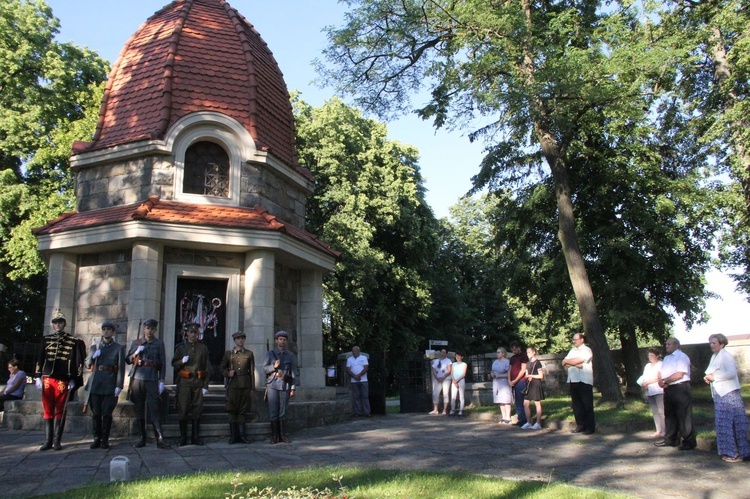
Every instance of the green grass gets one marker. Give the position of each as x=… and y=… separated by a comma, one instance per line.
x=357, y=483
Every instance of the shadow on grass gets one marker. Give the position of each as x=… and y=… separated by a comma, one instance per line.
x=357, y=482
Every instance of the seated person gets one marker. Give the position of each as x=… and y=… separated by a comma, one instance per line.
x=16, y=384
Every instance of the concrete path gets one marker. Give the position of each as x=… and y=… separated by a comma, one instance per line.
x=627, y=463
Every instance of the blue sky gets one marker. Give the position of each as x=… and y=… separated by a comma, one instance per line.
x=292, y=29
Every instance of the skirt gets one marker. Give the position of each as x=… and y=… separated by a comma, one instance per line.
x=501, y=393
x=536, y=390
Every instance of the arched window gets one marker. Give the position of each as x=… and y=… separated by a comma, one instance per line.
x=206, y=170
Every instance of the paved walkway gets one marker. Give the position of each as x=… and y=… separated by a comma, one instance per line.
x=627, y=463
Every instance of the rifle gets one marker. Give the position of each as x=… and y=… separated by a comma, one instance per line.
x=90, y=384
x=135, y=361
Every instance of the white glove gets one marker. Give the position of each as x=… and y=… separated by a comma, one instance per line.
x=161, y=387
x=96, y=354
x=117, y=391
x=71, y=384
x=205, y=391
x=38, y=384
x=138, y=350
x=185, y=359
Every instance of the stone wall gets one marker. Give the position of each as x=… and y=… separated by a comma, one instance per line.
x=124, y=182
x=260, y=186
x=103, y=293
x=286, y=300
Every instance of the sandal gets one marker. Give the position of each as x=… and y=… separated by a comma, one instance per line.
x=731, y=459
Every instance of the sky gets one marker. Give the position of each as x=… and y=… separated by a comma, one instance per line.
x=293, y=31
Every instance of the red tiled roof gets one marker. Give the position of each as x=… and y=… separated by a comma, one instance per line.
x=195, y=55
x=173, y=212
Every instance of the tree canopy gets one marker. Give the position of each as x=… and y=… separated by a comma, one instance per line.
x=369, y=204
x=49, y=96
x=544, y=84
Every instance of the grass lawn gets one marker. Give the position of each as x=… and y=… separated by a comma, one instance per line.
x=341, y=482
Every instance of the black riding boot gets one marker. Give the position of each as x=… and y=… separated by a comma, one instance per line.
x=97, y=433
x=282, y=436
x=142, y=431
x=275, y=431
x=49, y=425
x=195, y=438
x=57, y=436
x=242, y=433
x=106, y=428
x=159, y=436
x=233, y=430
x=183, y=433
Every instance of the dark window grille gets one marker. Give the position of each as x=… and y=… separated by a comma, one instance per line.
x=206, y=170
x=480, y=368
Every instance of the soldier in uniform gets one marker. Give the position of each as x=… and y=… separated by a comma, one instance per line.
x=238, y=367
x=280, y=366
x=106, y=361
x=191, y=362
x=149, y=366
x=59, y=371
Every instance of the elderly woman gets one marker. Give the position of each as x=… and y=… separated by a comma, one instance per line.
x=501, y=385
x=731, y=420
x=649, y=381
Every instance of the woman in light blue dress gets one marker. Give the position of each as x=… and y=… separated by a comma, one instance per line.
x=501, y=392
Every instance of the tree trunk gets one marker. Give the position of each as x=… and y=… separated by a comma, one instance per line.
x=604, y=366
x=630, y=358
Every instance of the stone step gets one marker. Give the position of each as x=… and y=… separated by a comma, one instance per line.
x=253, y=431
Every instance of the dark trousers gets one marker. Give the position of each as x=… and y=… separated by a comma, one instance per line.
x=582, y=400
x=102, y=405
x=146, y=394
x=678, y=414
x=238, y=404
x=518, y=397
x=190, y=399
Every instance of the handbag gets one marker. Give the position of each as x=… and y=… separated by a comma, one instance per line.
x=525, y=390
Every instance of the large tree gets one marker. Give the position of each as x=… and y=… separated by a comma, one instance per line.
x=536, y=72
x=49, y=95
x=369, y=204
x=714, y=88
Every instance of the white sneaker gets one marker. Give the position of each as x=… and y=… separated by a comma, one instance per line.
x=526, y=426
x=536, y=426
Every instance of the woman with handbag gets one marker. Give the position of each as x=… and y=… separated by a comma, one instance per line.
x=534, y=390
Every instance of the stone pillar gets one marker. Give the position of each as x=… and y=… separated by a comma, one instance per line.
x=259, y=307
x=310, y=335
x=145, y=287
x=61, y=289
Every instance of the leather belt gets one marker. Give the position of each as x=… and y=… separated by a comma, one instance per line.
x=189, y=374
x=107, y=368
x=145, y=363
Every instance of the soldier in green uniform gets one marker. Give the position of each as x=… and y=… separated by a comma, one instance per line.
x=238, y=367
x=191, y=362
x=107, y=363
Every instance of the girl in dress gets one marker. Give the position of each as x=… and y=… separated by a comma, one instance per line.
x=501, y=393
x=534, y=377
x=458, y=374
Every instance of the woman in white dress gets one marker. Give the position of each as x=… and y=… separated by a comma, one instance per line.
x=650, y=382
x=501, y=392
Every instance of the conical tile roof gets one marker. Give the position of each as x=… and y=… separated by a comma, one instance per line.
x=195, y=55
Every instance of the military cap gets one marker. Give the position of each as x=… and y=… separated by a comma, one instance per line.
x=108, y=323
x=151, y=322
x=281, y=333
x=238, y=334
x=191, y=326
x=58, y=316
